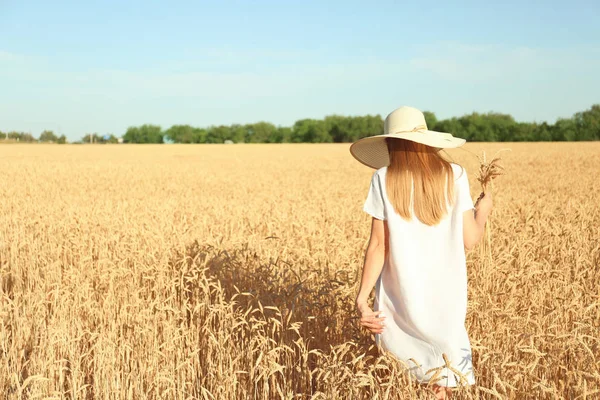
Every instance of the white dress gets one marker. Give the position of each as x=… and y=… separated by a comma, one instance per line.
x=422, y=288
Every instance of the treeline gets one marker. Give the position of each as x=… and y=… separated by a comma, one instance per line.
x=50, y=137
x=331, y=129
x=477, y=127
x=45, y=137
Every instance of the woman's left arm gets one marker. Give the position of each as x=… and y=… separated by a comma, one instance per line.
x=373, y=262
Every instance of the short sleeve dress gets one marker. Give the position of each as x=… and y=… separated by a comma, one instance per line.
x=422, y=288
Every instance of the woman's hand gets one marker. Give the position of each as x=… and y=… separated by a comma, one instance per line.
x=372, y=320
x=484, y=203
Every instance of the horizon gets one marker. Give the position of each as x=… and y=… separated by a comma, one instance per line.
x=168, y=140
x=101, y=67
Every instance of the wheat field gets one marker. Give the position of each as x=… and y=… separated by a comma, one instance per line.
x=229, y=272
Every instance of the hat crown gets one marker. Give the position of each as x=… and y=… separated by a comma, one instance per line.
x=405, y=123
x=405, y=119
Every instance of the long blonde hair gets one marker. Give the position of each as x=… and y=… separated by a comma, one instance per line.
x=415, y=162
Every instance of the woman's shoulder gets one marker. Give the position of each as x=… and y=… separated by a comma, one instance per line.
x=458, y=170
x=381, y=171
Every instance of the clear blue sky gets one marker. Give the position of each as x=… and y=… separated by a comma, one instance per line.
x=101, y=66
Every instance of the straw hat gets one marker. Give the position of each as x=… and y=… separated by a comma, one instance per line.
x=402, y=123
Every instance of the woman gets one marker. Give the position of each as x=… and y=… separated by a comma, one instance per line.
x=421, y=226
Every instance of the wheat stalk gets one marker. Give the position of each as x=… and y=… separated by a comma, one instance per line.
x=488, y=171
x=486, y=174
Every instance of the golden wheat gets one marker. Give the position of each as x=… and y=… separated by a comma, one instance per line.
x=228, y=272
x=488, y=171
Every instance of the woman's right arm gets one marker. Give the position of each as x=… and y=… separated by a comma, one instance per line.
x=474, y=221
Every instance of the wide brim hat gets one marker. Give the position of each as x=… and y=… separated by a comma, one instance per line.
x=402, y=123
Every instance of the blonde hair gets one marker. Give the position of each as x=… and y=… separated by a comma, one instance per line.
x=415, y=162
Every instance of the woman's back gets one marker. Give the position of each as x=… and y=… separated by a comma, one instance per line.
x=423, y=283
x=416, y=253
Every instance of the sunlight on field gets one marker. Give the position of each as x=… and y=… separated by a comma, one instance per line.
x=228, y=272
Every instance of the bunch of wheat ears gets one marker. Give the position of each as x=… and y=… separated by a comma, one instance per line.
x=486, y=174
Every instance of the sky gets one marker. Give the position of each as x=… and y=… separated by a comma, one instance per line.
x=77, y=67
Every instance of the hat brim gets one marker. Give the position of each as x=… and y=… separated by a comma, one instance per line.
x=372, y=151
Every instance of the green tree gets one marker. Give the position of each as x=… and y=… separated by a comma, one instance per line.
x=522, y=132
x=311, y=131
x=452, y=126
x=48, y=137
x=218, y=134
x=199, y=135
x=479, y=127
x=146, y=133
x=61, y=139
x=261, y=132
x=132, y=135
x=181, y=133
x=565, y=129
x=283, y=134
x=542, y=133
x=430, y=119
x=367, y=125
x=237, y=133
x=348, y=129
x=588, y=123
x=339, y=128
x=500, y=125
